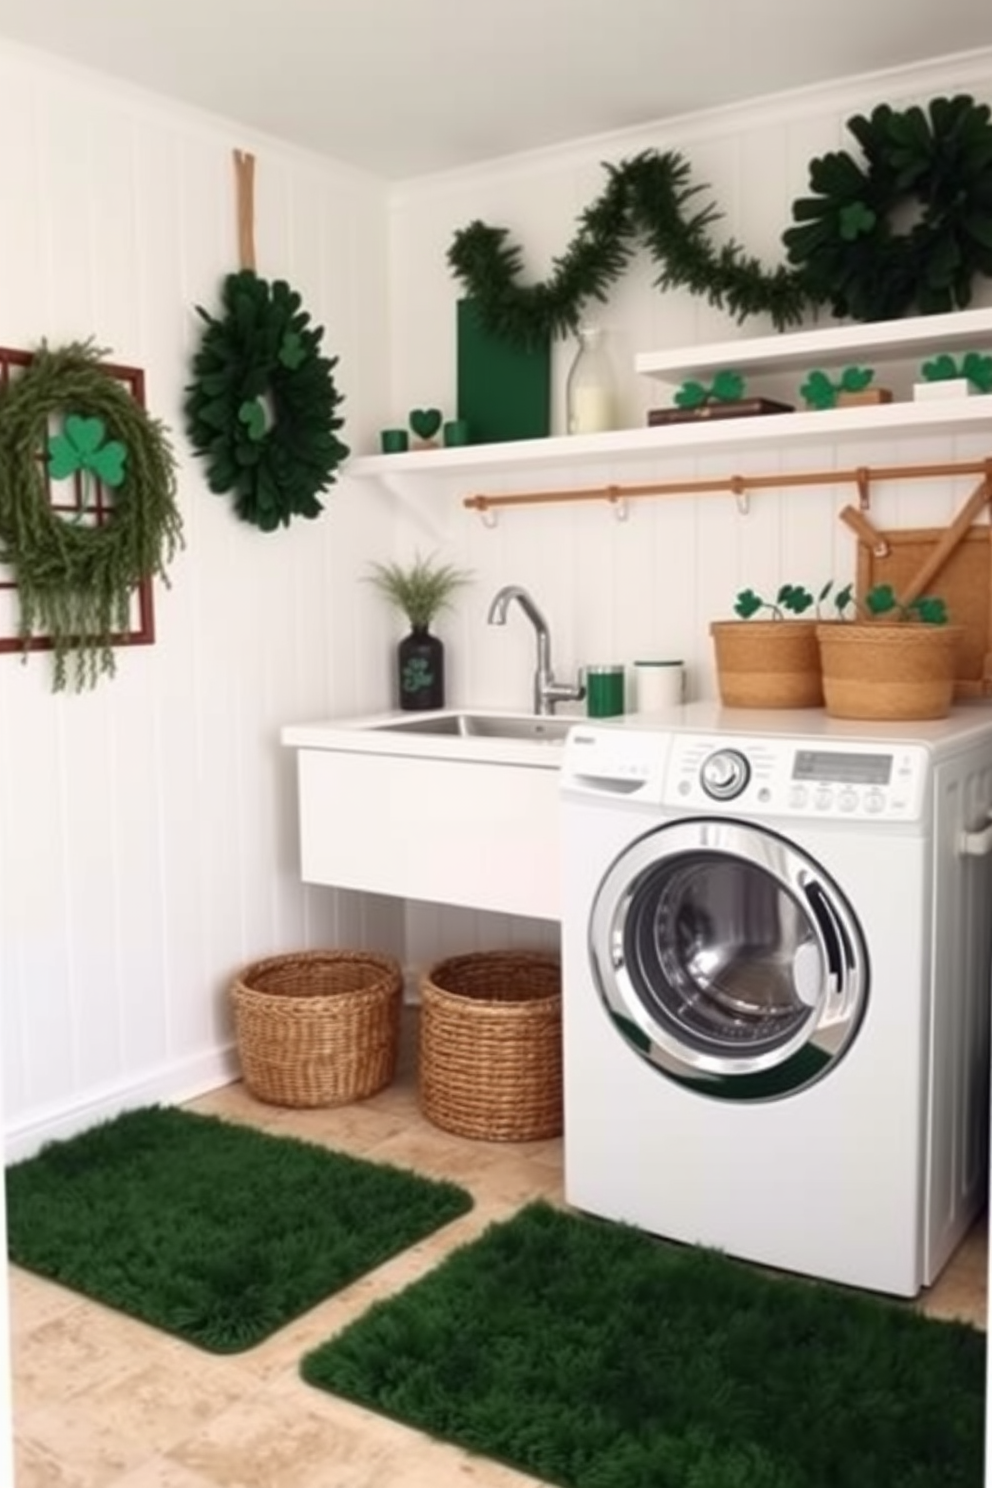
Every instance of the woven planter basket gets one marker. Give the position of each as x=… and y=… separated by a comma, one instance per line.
x=318, y=1028
x=767, y=663
x=490, y=1046
x=898, y=671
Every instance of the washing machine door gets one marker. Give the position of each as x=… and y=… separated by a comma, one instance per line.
x=729, y=959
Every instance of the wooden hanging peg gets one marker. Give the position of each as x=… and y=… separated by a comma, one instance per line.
x=244, y=181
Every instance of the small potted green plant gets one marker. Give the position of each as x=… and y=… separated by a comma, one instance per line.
x=771, y=662
x=890, y=660
x=420, y=590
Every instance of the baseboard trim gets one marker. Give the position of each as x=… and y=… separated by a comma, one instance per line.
x=167, y=1085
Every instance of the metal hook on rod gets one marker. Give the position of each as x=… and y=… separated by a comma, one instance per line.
x=740, y=494
x=618, y=501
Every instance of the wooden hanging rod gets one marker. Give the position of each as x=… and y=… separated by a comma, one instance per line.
x=736, y=485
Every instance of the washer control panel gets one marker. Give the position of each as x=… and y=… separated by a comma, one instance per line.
x=795, y=777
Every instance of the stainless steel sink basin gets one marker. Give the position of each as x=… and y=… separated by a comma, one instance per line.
x=463, y=725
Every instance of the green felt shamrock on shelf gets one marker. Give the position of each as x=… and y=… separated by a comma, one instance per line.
x=84, y=448
x=974, y=366
x=820, y=391
x=425, y=422
x=726, y=387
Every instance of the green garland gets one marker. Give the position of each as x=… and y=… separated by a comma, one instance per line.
x=75, y=582
x=844, y=251
x=645, y=200
x=261, y=406
x=940, y=163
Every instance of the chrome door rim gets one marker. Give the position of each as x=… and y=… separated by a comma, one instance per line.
x=817, y=1041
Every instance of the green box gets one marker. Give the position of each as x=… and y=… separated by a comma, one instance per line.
x=504, y=392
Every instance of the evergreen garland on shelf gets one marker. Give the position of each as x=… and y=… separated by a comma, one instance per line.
x=645, y=200
x=844, y=249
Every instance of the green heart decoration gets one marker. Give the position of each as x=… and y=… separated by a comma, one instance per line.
x=425, y=422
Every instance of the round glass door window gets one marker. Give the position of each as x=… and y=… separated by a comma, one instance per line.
x=729, y=959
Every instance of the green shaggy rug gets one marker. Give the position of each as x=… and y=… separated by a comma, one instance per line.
x=593, y=1356
x=218, y=1233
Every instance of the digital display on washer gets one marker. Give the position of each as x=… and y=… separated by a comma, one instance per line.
x=847, y=769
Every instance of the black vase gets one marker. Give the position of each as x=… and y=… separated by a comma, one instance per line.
x=420, y=658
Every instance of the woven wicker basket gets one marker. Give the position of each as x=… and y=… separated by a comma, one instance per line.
x=318, y=1028
x=889, y=671
x=490, y=1046
x=767, y=663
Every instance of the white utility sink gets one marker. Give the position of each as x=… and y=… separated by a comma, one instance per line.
x=458, y=806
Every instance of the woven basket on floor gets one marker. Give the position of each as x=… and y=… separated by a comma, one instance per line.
x=318, y=1028
x=490, y=1045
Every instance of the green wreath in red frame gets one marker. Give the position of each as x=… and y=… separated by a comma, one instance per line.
x=928, y=169
x=261, y=407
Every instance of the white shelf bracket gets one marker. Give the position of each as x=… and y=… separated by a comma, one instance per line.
x=740, y=494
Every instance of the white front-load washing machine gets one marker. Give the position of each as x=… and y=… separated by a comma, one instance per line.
x=776, y=962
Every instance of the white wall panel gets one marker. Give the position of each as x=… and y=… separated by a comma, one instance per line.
x=614, y=590
x=148, y=837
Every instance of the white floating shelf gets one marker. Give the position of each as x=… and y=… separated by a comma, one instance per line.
x=831, y=426
x=886, y=340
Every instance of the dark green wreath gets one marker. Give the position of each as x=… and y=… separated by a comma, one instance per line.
x=75, y=581
x=937, y=162
x=261, y=406
x=645, y=201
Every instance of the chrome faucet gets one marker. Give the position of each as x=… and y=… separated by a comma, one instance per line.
x=547, y=692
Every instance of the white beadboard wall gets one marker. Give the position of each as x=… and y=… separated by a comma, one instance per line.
x=647, y=586
x=148, y=828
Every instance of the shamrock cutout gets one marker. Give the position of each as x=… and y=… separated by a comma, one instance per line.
x=292, y=352
x=80, y=447
x=252, y=415
x=425, y=422
x=726, y=387
x=855, y=219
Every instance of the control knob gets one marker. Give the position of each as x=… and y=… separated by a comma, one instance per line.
x=725, y=774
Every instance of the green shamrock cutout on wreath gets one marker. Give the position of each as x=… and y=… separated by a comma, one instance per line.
x=82, y=446
x=726, y=387
x=425, y=422
x=292, y=352
x=252, y=415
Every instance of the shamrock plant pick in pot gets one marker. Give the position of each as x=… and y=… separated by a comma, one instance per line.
x=891, y=660
x=419, y=590
x=771, y=662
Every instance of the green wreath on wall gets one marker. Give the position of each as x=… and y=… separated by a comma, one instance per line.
x=845, y=250
x=261, y=407
x=935, y=163
x=76, y=579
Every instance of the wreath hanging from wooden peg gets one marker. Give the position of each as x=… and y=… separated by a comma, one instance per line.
x=261, y=408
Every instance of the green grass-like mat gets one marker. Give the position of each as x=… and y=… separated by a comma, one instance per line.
x=215, y=1232
x=596, y=1357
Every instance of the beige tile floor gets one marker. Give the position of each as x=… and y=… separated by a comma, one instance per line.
x=102, y=1401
